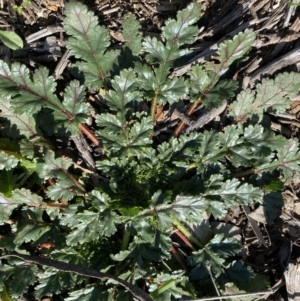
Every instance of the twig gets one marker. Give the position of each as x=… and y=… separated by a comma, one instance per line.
x=151, y=8
x=62, y=64
x=82, y=147
x=212, y=279
x=83, y=271
x=44, y=33
x=234, y=296
x=111, y=10
x=265, y=294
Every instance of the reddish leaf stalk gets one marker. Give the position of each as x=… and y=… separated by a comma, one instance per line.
x=189, y=113
x=51, y=182
x=44, y=188
x=89, y=134
x=198, y=102
x=46, y=245
x=243, y=173
x=59, y=206
x=83, y=129
x=76, y=183
x=187, y=233
x=184, y=239
x=178, y=258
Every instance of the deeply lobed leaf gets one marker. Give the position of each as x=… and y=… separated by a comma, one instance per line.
x=270, y=95
x=287, y=160
x=20, y=277
x=131, y=34
x=29, y=95
x=7, y=161
x=180, y=30
x=236, y=48
x=25, y=123
x=212, y=256
x=89, y=42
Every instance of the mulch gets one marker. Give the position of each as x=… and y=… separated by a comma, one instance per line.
x=277, y=48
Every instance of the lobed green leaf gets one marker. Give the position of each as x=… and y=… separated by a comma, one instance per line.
x=270, y=95
x=131, y=34
x=180, y=30
x=236, y=48
x=25, y=123
x=212, y=256
x=89, y=42
x=19, y=277
x=288, y=160
x=7, y=161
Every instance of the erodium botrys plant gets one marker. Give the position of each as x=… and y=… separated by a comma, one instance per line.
x=143, y=192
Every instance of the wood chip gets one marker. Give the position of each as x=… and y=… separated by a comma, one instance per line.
x=291, y=11
x=254, y=226
x=111, y=10
x=292, y=280
x=62, y=64
x=44, y=33
x=206, y=117
x=287, y=59
x=259, y=215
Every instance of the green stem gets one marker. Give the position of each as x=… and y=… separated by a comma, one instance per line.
x=153, y=107
x=125, y=241
x=293, y=4
x=162, y=288
x=187, y=233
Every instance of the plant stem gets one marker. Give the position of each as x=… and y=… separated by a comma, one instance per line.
x=55, y=205
x=162, y=288
x=184, y=239
x=186, y=232
x=153, y=107
x=178, y=258
x=243, y=173
x=189, y=113
x=89, y=134
x=125, y=241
